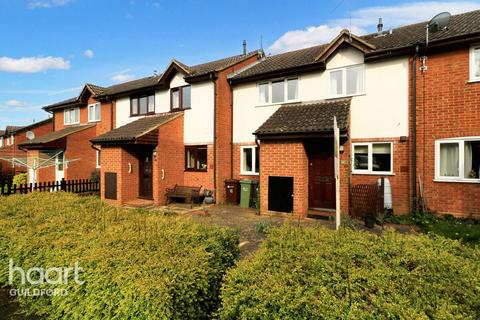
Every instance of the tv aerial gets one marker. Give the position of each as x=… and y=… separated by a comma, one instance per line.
x=438, y=23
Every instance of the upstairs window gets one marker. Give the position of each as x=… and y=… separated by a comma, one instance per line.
x=458, y=160
x=142, y=105
x=94, y=112
x=475, y=63
x=347, y=81
x=372, y=158
x=278, y=91
x=180, y=98
x=196, y=158
x=71, y=116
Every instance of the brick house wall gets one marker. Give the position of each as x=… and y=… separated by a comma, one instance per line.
x=79, y=149
x=447, y=107
x=224, y=125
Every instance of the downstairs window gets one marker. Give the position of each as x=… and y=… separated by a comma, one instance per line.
x=196, y=158
x=249, y=160
x=372, y=158
x=458, y=160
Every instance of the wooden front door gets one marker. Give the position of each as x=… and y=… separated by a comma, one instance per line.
x=145, y=175
x=321, y=175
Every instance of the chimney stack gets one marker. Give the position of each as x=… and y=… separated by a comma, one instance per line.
x=380, y=25
x=244, y=47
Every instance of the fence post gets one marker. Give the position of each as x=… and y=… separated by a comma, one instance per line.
x=63, y=185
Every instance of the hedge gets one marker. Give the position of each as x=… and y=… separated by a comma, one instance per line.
x=136, y=264
x=315, y=273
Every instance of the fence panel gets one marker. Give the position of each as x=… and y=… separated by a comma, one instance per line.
x=76, y=186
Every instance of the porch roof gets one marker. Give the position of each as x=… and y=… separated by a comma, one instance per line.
x=53, y=136
x=131, y=132
x=309, y=118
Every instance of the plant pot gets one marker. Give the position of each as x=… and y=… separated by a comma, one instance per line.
x=370, y=221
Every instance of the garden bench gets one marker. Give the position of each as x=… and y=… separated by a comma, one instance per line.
x=183, y=192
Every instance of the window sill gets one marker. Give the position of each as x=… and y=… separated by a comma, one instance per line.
x=93, y=121
x=347, y=96
x=71, y=124
x=141, y=115
x=195, y=170
x=457, y=180
x=374, y=173
x=277, y=103
x=249, y=173
x=473, y=81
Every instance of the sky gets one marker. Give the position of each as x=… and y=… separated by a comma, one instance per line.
x=51, y=48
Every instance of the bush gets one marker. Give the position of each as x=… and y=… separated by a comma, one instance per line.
x=19, y=179
x=136, y=265
x=315, y=273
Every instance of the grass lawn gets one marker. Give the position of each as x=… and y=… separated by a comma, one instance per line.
x=465, y=230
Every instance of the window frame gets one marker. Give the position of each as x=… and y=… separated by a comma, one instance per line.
x=98, y=159
x=195, y=148
x=180, y=98
x=95, y=105
x=473, y=78
x=269, y=83
x=370, y=171
x=254, y=161
x=65, y=111
x=137, y=98
x=344, y=81
x=461, y=160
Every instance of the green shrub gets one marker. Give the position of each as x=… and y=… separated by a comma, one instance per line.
x=315, y=273
x=19, y=179
x=262, y=227
x=137, y=265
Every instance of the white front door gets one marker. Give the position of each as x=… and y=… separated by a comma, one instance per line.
x=59, y=166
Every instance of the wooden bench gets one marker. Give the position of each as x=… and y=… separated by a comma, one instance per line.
x=183, y=192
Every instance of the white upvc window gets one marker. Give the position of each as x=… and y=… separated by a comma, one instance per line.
x=475, y=63
x=98, y=159
x=1, y=142
x=94, y=112
x=372, y=158
x=347, y=81
x=71, y=116
x=278, y=91
x=458, y=159
x=249, y=160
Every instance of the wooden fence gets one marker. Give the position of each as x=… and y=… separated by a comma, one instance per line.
x=367, y=199
x=75, y=186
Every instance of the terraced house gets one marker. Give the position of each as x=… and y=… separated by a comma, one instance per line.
x=174, y=128
x=416, y=126
x=13, y=158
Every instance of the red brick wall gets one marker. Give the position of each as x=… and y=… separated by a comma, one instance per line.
x=447, y=106
x=223, y=130
x=79, y=147
x=289, y=159
x=170, y=158
x=399, y=180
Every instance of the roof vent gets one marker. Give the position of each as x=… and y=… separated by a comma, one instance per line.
x=380, y=25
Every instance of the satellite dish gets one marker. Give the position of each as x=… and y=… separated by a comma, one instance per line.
x=30, y=135
x=439, y=22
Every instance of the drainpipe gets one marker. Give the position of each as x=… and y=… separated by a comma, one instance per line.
x=259, y=174
x=214, y=137
x=231, y=130
x=414, y=128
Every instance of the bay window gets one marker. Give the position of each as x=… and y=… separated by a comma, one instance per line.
x=94, y=112
x=347, y=81
x=457, y=159
x=142, y=105
x=249, y=160
x=475, y=63
x=372, y=158
x=71, y=116
x=278, y=91
x=196, y=158
x=180, y=98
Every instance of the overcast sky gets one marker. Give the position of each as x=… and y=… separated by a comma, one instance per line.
x=50, y=48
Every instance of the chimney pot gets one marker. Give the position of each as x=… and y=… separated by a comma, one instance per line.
x=380, y=25
x=244, y=47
